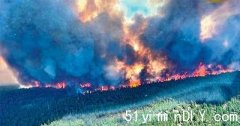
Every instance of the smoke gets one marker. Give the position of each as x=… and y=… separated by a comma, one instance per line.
x=46, y=42
x=89, y=41
x=194, y=31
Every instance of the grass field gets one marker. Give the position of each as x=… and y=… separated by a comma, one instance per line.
x=169, y=106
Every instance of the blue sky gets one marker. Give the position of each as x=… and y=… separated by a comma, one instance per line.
x=132, y=7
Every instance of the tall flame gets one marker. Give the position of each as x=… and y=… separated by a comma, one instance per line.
x=153, y=63
x=149, y=63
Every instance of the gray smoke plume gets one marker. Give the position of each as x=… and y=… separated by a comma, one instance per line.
x=177, y=34
x=45, y=41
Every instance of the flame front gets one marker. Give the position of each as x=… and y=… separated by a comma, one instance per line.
x=104, y=44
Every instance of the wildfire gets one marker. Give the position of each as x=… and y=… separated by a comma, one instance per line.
x=104, y=88
x=60, y=85
x=200, y=71
x=134, y=71
x=36, y=84
x=148, y=61
x=146, y=58
x=134, y=83
x=89, y=9
x=85, y=85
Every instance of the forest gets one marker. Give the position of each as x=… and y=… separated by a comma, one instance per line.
x=36, y=106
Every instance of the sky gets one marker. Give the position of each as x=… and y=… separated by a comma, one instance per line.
x=144, y=7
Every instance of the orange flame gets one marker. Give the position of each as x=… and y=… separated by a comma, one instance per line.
x=134, y=83
x=60, y=85
x=154, y=63
x=200, y=71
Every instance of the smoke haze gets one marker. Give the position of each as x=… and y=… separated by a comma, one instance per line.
x=93, y=41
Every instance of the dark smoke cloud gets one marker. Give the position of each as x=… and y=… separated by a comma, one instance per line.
x=229, y=32
x=46, y=42
x=177, y=34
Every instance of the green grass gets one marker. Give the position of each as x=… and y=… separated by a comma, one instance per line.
x=168, y=106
